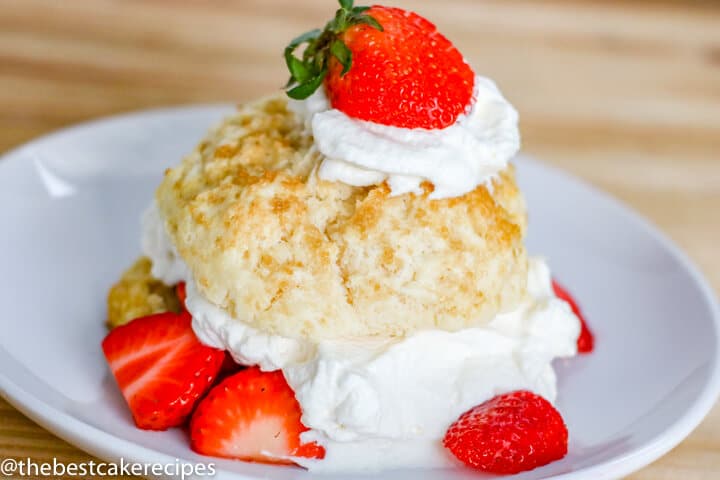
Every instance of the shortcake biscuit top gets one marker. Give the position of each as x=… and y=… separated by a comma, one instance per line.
x=293, y=255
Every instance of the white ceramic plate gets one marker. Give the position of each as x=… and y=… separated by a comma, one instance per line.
x=69, y=208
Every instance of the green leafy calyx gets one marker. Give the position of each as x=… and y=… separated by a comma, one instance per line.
x=308, y=71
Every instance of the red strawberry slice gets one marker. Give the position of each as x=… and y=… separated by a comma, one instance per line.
x=508, y=434
x=251, y=416
x=384, y=65
x=181, y=292
x=586, y=340
x=161, y=368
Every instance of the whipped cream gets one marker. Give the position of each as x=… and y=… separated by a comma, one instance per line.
x=386, y=403
x=456, y=159
x=383, y=404
x=156, y=245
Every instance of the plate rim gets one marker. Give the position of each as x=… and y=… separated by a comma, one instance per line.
x=110, y=447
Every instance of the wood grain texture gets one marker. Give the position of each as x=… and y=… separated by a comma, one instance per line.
x=625, y=95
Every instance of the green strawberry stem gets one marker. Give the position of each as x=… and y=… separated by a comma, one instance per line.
x=308, y=71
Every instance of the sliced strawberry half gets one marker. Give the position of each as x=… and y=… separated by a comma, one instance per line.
x=161, y=368
x=586, y=340
x=251, y=416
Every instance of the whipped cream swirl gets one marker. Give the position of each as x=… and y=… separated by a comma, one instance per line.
x=456, y=159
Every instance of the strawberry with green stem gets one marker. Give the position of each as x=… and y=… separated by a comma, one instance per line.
x=383, y=65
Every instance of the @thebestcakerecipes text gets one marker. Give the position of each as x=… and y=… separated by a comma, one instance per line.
x=30, y=468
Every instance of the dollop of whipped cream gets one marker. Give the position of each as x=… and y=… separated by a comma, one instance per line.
x=386, y=403
x=456, y=159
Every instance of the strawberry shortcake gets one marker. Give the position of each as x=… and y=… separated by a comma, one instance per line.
x=336, y=276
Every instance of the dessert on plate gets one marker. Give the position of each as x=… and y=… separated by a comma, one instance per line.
x=336, y=276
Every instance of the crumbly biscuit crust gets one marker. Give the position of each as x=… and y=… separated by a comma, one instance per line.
x=297, y=256
x=138, y=294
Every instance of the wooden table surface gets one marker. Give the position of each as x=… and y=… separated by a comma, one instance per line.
x=623, y=94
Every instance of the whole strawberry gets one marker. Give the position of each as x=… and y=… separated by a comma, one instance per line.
x=508, y=434
x=384, y=65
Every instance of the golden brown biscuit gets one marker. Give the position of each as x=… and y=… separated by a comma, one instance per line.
x=137, y=294
x=294, y=255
